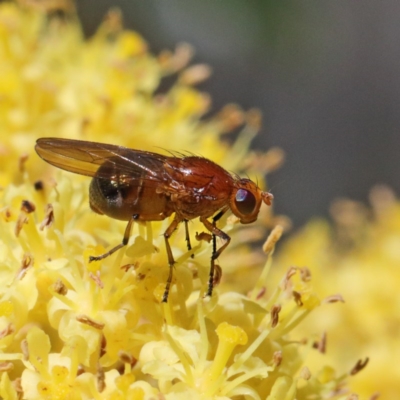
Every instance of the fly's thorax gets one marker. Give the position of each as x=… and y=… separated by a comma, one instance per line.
x=196, y=187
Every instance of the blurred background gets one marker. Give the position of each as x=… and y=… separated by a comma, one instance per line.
x=325, y=75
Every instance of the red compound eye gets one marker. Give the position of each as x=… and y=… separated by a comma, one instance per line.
x=245, y=201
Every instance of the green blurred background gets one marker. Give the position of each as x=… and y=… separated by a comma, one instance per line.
x=324, y=73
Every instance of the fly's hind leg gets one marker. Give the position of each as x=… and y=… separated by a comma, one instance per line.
x=215, y=252
x=124, y=242
x=167, y=234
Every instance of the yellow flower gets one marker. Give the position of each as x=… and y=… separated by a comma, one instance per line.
x=70, y=329
x=359, y=256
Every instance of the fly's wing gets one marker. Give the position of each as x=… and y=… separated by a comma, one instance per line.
x=85, y=158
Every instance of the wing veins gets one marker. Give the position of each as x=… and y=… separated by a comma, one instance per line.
x=85, y=158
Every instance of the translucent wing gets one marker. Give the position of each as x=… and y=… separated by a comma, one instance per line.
x=85, y=158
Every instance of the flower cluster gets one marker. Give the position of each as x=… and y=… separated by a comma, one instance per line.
x=74, y=329
x=358, y=253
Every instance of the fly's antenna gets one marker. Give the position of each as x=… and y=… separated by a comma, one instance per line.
x=267, y=198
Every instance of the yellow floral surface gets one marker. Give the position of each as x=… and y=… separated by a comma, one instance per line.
x=70, y=329
x=358, y=255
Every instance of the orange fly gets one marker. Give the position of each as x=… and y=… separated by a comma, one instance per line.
x=135, y=185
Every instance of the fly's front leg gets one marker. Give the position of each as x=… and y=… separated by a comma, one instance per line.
x=171, y=261
x=215, y=253
x=124, y=242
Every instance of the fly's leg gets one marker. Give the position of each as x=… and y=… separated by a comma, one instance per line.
x=124, y=242
x=215, y=252
x=171, y=261
x=187, y=237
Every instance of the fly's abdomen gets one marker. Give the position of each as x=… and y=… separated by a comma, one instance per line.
x=121, y=197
